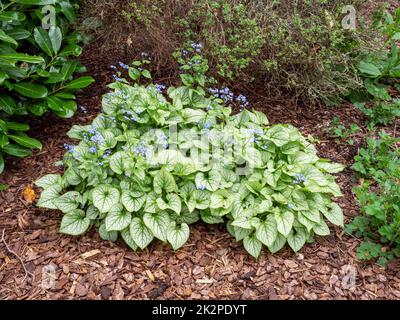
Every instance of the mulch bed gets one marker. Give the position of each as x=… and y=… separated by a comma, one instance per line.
x=210, y=266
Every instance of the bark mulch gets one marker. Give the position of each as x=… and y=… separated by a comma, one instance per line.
x=210, y=266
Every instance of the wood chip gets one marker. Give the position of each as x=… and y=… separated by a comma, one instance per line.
x=150, y=275
x=90, y=253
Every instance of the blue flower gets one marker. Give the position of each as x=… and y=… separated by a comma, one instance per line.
x=93, y=149
x=140, y=149
x=113, y=67
x=100, y=164
x=208, y=125
x=197, y=46
x=160, y=87
x=290, y=206
x=106, y=154
x=69, y=147
x=300, y=178
x=97, y=138
x=242, y=100
x=116, y=78
x=123, y=65
x=201, y=187
x=209, y=107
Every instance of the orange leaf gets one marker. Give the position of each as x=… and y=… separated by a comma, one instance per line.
x=29, y=194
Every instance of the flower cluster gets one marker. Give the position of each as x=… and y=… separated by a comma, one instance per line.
x=229, y=97
x=242, y=100
x=140, y=149
x=69, y=147
x=160, y=87
x=96, y=137
x=106, y=154
x=225, y=94
x=197, y=47
x=208, y=125
x=123, y=65
x=116, y=78
x=253, y=134
x=164, y=140
x=129, y=115
x=300, y=178
x=93, y=149
x=201, y=187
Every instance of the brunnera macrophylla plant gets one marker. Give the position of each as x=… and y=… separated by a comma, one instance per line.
x=156, y=161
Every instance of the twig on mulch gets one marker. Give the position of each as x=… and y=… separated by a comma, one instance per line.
x=19, y=258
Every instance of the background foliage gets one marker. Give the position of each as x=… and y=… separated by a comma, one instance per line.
x=36, y=72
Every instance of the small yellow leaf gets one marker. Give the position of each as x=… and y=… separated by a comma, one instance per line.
x=29, y=194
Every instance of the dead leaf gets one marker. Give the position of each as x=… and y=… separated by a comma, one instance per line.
x=29, y=195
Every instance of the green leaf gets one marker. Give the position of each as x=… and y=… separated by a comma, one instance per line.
x=92, y=213
x=9, y=16
x=330, y=167
x=16, y=126
x=43, y=40
x=7, y=104
x=71, y=50
x=369, y=69
x=26, y=141
x=297, y=239
x=1, y=165
x=67, y=202
x=22, y=57
x=140, y=234
x=126, y=235
x=322, y=229
x=79, y=83
x=334, y=215
x=6, y=38
x=267, y=232
x=31, y=90
x=252, y=246
x=117, y=162
x=105, y=198
x=173, y=202
x=74, y=223
x=117, y=219
x=146, y=74
x=158, y=224
x=16, y=150
x=133, y=201
x=279, y=135
x=35, y=2
x=48, y=196
x=107, y=235
x=207, y=217
x=55, y=36
x=278, y=244
x=163, y=180
x=284, y=222
x=48, y=180
x=178, y=235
